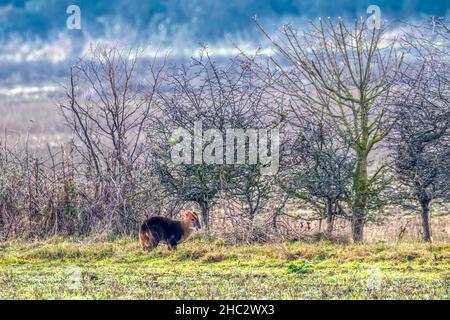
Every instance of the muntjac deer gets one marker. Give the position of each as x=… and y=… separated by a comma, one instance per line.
x=172, y=232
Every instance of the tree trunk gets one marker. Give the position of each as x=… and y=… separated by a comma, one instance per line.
x=358, y=219
x=425, y=204
x=330, y=217
x=357, y=227
x=274, y=223
x=204, y=207
x=361, y=190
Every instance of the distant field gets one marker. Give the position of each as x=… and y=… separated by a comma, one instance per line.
x=59, y=269
x=32, y=118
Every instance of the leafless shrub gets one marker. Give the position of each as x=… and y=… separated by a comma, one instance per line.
x=348, y=71
x=421, y=135
x=108, y=106
x=318, y=170
x=222, y=97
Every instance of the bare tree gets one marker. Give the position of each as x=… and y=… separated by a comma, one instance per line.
x=221, y=98
x=251, y=190
x=319, y=169
x=421, y=135
x=349, y=72
x=108, y=106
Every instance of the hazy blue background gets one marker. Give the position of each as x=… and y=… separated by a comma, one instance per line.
x=36, y=47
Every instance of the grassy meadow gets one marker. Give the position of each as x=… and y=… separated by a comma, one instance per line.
x=199, y=269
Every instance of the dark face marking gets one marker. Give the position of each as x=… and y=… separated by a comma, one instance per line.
x=194, y=220
x=196, y=223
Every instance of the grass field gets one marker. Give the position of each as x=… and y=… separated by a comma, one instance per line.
x=63, y=269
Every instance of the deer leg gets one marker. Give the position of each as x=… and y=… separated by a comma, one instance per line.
x=172, y=245
x=148, y=241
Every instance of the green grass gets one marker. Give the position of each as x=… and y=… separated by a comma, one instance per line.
x=63, y=269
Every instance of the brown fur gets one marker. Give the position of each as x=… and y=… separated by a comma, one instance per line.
x=146, y=239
